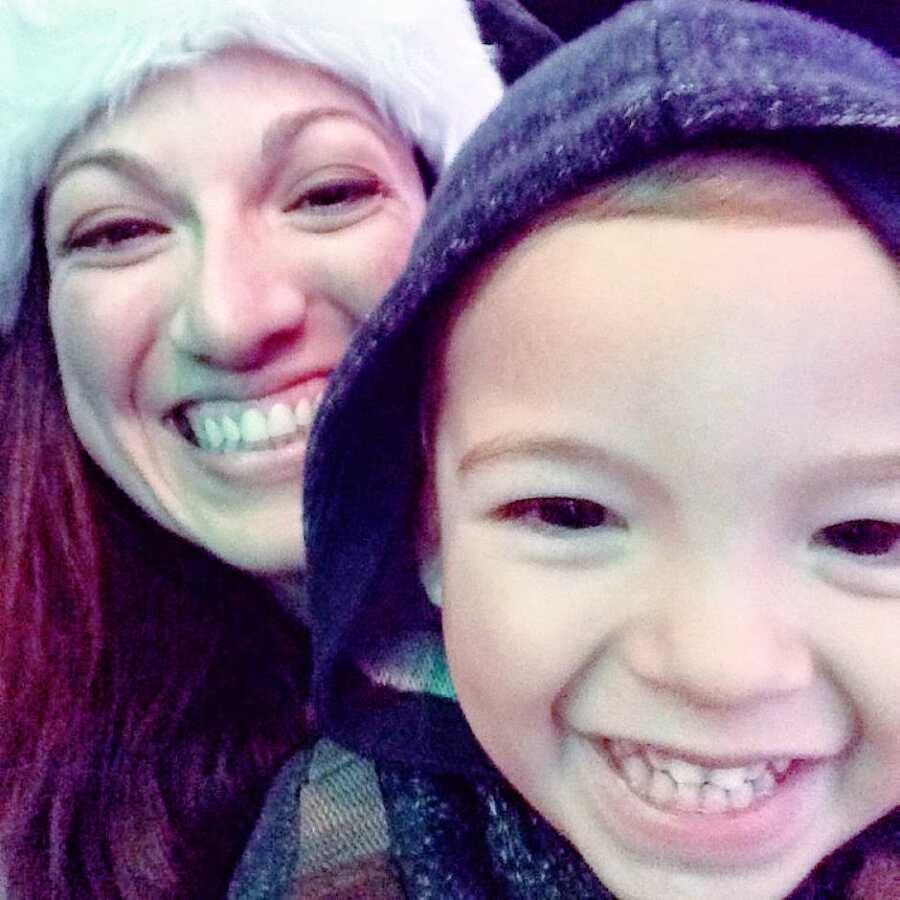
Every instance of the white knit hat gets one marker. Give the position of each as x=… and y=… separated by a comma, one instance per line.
x=420, y=62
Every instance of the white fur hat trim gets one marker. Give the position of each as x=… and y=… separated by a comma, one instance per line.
x=420, y=62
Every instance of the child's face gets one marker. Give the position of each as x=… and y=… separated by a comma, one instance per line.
x=668, y=490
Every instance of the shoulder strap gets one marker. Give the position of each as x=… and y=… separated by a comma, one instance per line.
x=343, y=831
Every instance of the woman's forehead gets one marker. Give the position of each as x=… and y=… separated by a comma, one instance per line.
x=236, y=81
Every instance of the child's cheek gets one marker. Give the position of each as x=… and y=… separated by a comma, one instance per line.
x=512, y=651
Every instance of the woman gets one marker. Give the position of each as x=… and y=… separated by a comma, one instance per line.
x=201, y=201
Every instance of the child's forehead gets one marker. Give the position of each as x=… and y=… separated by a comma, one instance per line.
x=659, y=273
x=795, y=340
x=725, y=186
x=713, y=195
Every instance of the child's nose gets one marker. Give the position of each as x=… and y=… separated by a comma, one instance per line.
x=720, y=641
x=243, y=302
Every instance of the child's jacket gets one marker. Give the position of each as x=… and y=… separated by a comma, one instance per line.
x=416, y=810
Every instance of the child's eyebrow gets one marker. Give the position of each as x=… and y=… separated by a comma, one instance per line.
x=851, y=467
x=515, y=445
x=856, y=467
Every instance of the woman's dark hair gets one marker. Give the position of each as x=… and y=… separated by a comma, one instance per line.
x=148, y=692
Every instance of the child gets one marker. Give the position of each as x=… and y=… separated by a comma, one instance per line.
x=632, y=415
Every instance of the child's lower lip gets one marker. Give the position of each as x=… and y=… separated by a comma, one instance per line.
x=737, y=837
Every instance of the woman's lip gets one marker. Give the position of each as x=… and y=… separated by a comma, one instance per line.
x=734, y=837
x=252, y=468
x=307, y=385
x=205, y=424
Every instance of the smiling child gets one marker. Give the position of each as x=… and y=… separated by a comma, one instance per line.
x=638, y=436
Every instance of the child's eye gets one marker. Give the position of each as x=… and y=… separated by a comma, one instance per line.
x=862, y=537
x=114, y=235
x=565, y=513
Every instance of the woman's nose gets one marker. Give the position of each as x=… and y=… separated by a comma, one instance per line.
x=243, y=302
x=720, y=640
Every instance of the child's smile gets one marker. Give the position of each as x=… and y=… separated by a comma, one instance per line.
x=668, y=491
x=672, y=780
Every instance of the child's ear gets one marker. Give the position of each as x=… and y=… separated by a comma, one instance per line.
x=432, y=578
x=428, y=546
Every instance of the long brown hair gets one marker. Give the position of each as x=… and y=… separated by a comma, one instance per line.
x=147, y=691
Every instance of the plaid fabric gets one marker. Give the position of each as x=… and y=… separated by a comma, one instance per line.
x=322, y=834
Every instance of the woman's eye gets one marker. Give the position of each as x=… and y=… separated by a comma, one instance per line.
x=336, y=196
x=862, y=537
x=569, y=513
x=112, y=235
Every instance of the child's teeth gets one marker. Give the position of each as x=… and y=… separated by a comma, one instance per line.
x=685, y=772
x=254, y=429
x=662, y=789
x=741, y=796
x=672, y=783
x=754, y=770
x=688, y=797
x=713, y=799
x=764, y=783
x=637, y=773
x=728, y=778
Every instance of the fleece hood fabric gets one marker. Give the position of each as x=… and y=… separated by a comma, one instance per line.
x=659, y=76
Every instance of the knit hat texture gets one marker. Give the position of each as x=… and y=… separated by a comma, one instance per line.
x=64, y=62
x=658, y=77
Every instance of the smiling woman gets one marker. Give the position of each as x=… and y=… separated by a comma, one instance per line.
x=201, y=203
x=202, y=290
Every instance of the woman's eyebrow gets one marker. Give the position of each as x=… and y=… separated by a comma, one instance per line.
x=278, y=137
x=127, y=166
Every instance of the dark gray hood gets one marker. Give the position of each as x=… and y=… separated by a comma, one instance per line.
x=657, y=77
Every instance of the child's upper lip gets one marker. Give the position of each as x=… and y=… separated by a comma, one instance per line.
x=730, y=759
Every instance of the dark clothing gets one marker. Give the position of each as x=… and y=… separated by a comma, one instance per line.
x=656, y=78
x=873, y=19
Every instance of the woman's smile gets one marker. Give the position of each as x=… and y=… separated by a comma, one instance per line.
x=256, y=425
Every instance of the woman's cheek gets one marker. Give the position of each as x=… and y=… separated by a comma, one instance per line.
x=366, y=267
x=104, y=327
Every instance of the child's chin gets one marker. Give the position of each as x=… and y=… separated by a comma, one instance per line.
x=642, y=852
x=642, y=876
x=651, y=882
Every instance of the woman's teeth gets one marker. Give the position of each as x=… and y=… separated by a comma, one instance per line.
x=671, y=783
x=251, y=426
